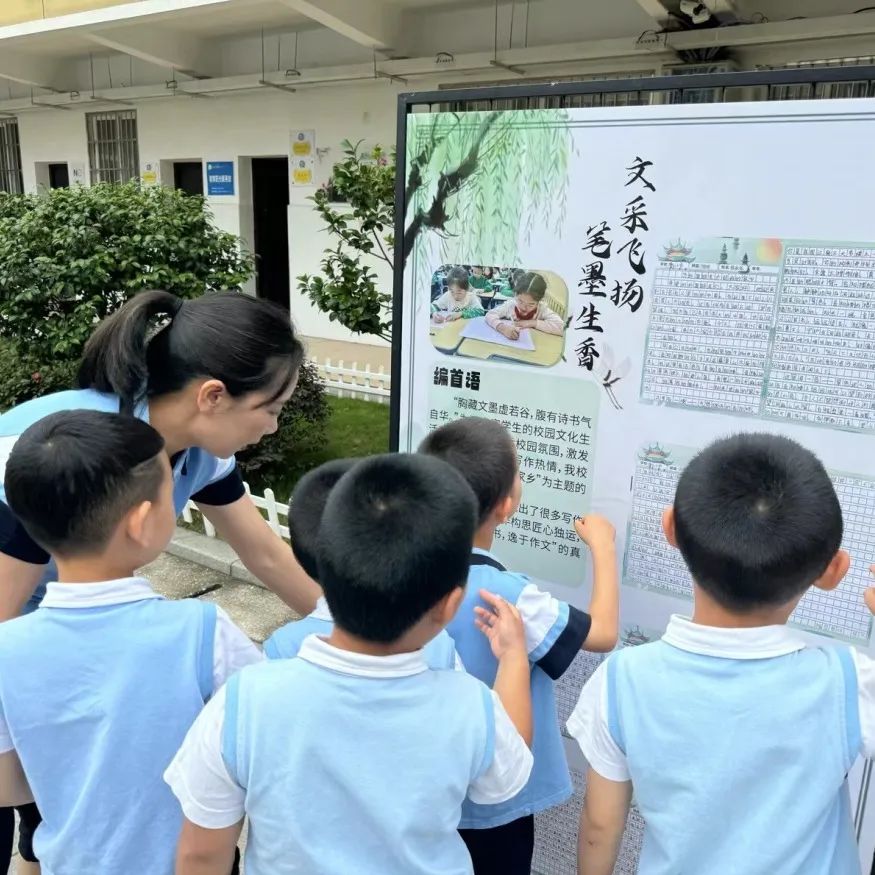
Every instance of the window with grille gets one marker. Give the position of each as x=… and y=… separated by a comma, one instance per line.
x=10, y=158
x=112, y=146
x=798, y=91
x=822, y=90
x=618, y=98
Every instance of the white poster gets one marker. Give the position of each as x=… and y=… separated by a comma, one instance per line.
x=698, y=270
x=78, y=173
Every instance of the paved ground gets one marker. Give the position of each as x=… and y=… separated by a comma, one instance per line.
x=255, y=610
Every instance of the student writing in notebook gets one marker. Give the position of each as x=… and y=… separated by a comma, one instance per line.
x=525, y=310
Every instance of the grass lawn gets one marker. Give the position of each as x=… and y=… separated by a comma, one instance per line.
x=355, y=428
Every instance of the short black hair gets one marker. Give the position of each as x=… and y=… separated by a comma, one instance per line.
x=306, y=507
x=396, y=537
x=72, y=476
x=483, y=452
x=757, y=520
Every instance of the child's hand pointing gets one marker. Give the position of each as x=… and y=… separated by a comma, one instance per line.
x=869, y=595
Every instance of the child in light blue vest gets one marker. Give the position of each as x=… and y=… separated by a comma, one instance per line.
x=501, y=838
x=305, y=514
x=735, y=735
x=115, y=674
x=355, y=757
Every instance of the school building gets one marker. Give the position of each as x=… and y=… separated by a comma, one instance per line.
x=212, y=96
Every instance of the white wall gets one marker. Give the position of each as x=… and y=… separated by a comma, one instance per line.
x=236, y=128
x=258, y=123
x=55, y=137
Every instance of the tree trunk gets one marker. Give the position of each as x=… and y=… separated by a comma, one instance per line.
x=449, y=184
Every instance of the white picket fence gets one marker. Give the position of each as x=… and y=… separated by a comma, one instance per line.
x=355, y=382
x=266, y=502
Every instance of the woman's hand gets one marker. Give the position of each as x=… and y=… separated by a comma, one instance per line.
x=510, y=331
x=263, y=552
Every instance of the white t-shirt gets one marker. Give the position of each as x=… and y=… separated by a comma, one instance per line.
x=447, y=303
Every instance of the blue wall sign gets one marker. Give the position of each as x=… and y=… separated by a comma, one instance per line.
x=220, y=177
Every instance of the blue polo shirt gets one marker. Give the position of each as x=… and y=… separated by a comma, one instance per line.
x=197, y=474
x=555, y=632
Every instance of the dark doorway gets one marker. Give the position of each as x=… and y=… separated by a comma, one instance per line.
x=270, y=201
x=59, y=176
x=188, y=176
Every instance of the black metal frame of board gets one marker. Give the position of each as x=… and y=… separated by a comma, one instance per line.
x=408, y=101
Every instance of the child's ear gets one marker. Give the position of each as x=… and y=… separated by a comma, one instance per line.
x=835, y=571
x=504, y=510
x=136, y=523
x=447, y=607
x=668, y=528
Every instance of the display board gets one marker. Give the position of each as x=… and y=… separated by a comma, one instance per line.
x=701, y=270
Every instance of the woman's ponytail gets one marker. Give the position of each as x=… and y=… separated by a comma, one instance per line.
x=247, y=343
x=114, y=359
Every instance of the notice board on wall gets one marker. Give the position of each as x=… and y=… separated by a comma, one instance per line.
x=701, y=270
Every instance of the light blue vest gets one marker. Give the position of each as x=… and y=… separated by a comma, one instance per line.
x=355, y=775
x=550, y=781
x=103, y=704
x=739, y=765
x=440, y=652
x=193, y=470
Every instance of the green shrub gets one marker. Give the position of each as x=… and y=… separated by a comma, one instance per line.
x=23, y=376
x=70, y=257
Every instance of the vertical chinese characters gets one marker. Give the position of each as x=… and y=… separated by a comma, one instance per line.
x=623, y=288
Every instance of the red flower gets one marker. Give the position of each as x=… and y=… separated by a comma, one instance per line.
x=36, y=376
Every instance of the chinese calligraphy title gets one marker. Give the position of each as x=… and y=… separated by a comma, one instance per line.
x=626, y=290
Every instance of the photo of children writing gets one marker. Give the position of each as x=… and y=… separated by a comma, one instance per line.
x=490, y=312
x=458, y=301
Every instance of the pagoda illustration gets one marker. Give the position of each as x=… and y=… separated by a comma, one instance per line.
x=655, y=453
x=678, y=251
